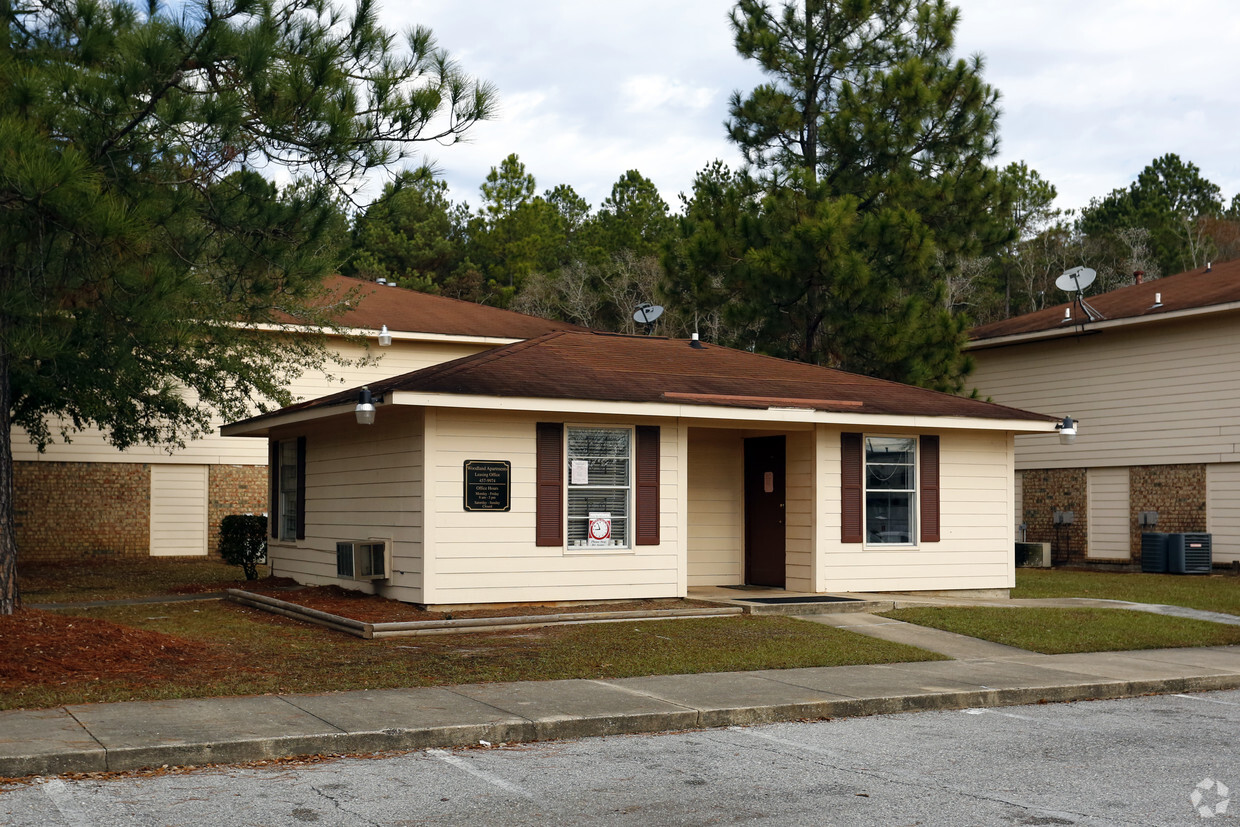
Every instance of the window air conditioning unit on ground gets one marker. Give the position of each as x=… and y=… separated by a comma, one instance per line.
x=364, y=560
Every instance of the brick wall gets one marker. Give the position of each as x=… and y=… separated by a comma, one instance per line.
x=233, y=489
x=1047, y=490
x=70, y=510
x=1176, y=492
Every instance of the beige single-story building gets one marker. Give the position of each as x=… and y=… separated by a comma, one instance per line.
x=148, y=501
x=590, y=466
x=1151, y=375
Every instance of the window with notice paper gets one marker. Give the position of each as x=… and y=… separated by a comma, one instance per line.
x=599, y=484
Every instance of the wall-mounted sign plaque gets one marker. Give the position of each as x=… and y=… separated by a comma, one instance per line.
x=488, y=485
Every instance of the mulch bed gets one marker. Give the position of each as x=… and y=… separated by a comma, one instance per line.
x=371, y=608
x=45, y=648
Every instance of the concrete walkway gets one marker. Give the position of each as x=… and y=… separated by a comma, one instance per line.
x=125, y=736
x=959, y=647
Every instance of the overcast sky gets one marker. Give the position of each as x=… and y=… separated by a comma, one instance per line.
x=1092, y=90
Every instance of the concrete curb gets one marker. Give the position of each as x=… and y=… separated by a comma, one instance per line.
x=648, y=712
x=368, y=630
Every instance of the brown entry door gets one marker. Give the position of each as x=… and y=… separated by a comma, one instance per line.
x=764, y=511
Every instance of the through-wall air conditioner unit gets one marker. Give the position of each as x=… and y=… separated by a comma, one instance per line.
x=1189, y=553
x=364, y=560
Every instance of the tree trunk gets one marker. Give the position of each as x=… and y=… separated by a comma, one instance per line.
x=10, y=600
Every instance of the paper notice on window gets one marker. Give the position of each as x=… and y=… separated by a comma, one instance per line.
x=580, y=472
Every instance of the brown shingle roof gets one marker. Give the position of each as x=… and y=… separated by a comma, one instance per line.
x=413, y=312
x=1184, y=291
x=611, y=367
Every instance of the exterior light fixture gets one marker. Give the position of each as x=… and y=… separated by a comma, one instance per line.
x=385, y=338
x=365, y=410
x=1067, y=430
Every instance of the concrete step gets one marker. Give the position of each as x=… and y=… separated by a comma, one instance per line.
x=817, y=608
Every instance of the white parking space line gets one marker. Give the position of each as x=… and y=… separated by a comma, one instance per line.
x=61, y=796
x=1003, y=714
x=466, y=766
x=1206, y=700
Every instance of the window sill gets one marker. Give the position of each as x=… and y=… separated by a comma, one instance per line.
x=598, y=550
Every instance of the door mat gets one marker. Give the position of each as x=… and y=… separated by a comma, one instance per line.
x=822, y=598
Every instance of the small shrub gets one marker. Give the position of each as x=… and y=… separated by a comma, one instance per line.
x=243, y=542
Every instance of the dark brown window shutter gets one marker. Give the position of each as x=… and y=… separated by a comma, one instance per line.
x=301, y=488
x=852, y=491
x=549, y=482
x=273, y=480
x=929, y=489
x=647, y=476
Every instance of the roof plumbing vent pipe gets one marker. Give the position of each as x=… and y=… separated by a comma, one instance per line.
x=694, y=343
x=1157, y=301
x=1209, y=266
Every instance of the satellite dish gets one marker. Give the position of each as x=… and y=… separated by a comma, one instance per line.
x=647, y=313
x=1076, y=279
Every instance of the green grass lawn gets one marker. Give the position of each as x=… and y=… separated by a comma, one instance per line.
x=245, y=652
x=119, y=578
x=1214, y=593
x=1058, y=631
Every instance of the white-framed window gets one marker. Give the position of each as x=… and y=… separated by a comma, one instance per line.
x=289, y=492
x=600, y=481
x=890, y=490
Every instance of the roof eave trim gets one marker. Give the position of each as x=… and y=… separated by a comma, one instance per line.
x=397, y=335
x=261, y=425
x=1067, y=331
x=716, y=412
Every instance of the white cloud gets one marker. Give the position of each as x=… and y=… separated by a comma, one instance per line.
x=1092, y=91
x=644, y=93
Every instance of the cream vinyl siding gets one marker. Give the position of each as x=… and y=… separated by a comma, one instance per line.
x=716, y=507
x=401, y=357
x=362, y=482
x=1223, y=510
x=977, y=524
x=491, y=557
x=1151, y=394
x=178, y=510
x=1109, y=537
x=799, y=508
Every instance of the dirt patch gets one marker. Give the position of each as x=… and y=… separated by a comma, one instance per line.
x=43, y=648
x=370, y=608
x=265, y=585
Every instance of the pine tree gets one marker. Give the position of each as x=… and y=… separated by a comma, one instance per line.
x=871, y=144
x=1171, y=202
x=139, y=249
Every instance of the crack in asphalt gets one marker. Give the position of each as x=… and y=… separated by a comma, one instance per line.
x=336, y=803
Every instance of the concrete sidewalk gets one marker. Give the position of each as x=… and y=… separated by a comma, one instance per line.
x=124, y=736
